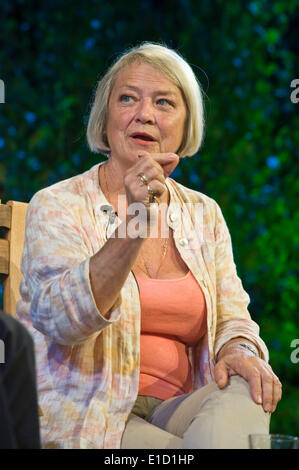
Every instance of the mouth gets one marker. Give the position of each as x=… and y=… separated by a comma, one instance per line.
x=143, y=138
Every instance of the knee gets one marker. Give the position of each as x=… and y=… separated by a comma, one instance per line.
x=236, y=386
x=235, y=401
x=227, y=417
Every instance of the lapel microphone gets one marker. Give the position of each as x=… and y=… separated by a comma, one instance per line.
x=112, y=214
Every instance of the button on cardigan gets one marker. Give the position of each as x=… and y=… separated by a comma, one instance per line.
x=88, y=365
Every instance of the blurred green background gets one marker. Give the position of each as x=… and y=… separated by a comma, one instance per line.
x=244, y=54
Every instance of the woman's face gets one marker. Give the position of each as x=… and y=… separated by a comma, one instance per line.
x=146, y=112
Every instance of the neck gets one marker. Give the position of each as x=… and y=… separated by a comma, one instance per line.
x=115, y=177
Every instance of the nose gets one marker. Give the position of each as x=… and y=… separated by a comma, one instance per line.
x=145, y=112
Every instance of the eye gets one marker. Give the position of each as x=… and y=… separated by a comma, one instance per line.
x=164, y=102
x=126, y=98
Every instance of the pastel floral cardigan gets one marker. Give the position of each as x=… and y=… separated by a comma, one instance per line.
x=87, y=365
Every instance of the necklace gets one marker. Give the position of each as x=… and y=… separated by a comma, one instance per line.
x=165, y=247
x=165, y=244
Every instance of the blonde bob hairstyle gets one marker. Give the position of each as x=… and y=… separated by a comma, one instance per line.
x=176, y=69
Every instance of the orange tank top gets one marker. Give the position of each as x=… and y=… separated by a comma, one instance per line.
x=173, y=317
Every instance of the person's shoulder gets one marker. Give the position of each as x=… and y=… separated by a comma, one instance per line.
x=193, y=195
x=68, y=192
x=211, y=209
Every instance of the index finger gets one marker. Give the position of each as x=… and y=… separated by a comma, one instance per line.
x=168, y=161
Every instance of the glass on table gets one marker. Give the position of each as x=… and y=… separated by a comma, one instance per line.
x=273, y=441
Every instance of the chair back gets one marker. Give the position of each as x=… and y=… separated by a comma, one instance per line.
x=12, y=219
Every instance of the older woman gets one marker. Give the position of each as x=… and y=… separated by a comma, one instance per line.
x=142, y=333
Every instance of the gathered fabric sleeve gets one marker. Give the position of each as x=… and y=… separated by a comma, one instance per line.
x=55, y=267
x=233, y=318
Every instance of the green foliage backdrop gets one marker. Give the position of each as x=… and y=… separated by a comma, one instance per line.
x=244, y=54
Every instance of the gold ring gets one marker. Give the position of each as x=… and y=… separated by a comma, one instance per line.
x=151, y=195
x=143, y=178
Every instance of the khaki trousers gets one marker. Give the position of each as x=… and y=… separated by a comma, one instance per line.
x=208, y=418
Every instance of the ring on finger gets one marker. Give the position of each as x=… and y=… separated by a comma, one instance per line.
x=151, y=195
x=143, y=178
